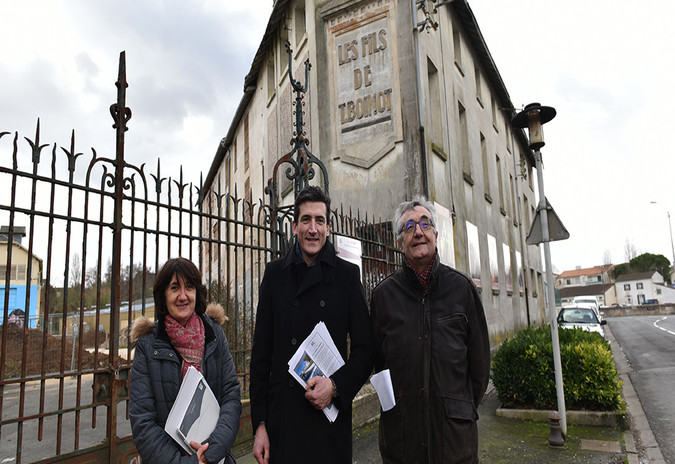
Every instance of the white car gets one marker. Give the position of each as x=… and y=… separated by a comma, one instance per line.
x=583, y=317
x=588, y=301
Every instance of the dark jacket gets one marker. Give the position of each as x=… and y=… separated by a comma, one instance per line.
x=436, y=345
x=154, y=382
x=293, y=299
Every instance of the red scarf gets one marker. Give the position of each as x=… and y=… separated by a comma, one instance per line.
x=424, y=277
x=188, y=340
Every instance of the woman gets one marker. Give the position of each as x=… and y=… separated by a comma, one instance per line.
x=186, y=333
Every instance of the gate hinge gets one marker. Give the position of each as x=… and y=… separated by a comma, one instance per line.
x=103, y=384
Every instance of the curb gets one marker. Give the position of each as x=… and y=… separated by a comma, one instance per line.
x=365, y=407
x=614, y=419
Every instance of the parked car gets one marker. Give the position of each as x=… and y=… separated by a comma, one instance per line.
x=650, y=304
x=588, y=301
x=583, y=317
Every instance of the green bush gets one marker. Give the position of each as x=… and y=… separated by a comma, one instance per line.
x=522, y=371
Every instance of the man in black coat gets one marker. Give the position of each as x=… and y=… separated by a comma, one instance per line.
x=310, y=284
x=429, y=330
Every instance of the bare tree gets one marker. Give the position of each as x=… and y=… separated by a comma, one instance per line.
x=629, y=250
x=606, y=257
x=75, y=271
x=91, y=277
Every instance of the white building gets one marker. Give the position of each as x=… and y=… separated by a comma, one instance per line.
x=635, y=289
x=584, y=276
x=604, y=293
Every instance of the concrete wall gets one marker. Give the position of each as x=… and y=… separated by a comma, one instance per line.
x=644, y=310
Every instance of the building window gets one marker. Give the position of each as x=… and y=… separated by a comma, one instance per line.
x=486, y=169
x=464, y=141
x=271, y=79
x=494, y=115
x=457, y=44
x=638, y=285
x=283, y=56
x=479, y=90
x=17, y=272
x=500, y=184
x=228, y=174
x=658, y=291
x=513, y=198
x=248, y=200
x=626, y=287
x=569, y=282
x=216, y=237
x=246, y=150
x=236, y=165
x=299, y=20
x=435, y=100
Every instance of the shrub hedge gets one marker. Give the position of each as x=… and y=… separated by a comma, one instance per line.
x=523, y=374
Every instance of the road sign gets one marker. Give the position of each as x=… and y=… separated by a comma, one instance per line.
x=556, y=229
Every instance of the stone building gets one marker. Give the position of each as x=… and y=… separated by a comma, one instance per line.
x=403, y=99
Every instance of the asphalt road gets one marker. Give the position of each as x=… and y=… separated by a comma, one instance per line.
x=35, y=448
x=648, y=343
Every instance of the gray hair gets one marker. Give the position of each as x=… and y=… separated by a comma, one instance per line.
x=407, y=206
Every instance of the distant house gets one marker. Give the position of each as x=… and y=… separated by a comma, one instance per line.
x=605, y=293
x=21, y=285
x=587, y=276
x=592, y=281
x=635, y=289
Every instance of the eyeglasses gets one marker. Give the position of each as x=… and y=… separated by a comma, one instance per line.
x=409, y=227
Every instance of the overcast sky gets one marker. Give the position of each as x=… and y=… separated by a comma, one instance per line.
x=606, y=66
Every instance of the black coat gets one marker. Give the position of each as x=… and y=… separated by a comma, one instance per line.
x=292, y=300
x=435, y=344
x=154, y=383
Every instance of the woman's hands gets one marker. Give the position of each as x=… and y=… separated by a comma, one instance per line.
x=200, y=451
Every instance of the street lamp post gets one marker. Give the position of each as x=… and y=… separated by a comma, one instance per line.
x=672, y=248
x=533, y=117
x=670, y=229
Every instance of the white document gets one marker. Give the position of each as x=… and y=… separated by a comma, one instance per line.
x=195, y=412
x=384, y=388
x=317, y=356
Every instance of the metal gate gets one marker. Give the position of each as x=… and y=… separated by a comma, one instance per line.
x=82, y=238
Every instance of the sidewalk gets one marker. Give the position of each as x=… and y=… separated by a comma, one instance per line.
x=508, y=441
x=511, y=441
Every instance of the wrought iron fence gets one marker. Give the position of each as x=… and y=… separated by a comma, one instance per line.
x=90, y=232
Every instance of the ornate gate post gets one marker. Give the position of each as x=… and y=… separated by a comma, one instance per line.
x=121, y=115
x=300, y=159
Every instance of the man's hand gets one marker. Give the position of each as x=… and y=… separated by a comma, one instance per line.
x=200, y=451
x=319, y=391
x=261, y=445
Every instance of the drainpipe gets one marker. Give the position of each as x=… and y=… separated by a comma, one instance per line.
x=523, y=246
x=420, y=111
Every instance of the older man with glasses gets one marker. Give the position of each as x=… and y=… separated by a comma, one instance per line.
x=429, y=330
